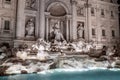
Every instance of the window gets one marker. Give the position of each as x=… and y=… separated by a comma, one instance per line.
x=92, y=11
x=6, y=25
x=112, y=15
x=113, y=33
x=103, y=33
x=93, y=32
x=102, y=12
x=8, y=1
x=111, y=1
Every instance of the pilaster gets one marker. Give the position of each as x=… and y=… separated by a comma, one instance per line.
x=74, y=24
x=20, y=30
x=87, y=31
x=42, y=19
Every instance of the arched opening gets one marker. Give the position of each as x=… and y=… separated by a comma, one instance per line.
x=57, y=15
x=57, y=10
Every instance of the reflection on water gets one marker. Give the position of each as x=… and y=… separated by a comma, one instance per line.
x=99, y=74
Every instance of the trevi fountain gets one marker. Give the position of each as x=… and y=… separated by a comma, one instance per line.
x=43, y=56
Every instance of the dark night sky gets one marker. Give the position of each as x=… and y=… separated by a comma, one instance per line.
x=119, y=1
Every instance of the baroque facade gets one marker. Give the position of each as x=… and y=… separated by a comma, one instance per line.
x=26, y=20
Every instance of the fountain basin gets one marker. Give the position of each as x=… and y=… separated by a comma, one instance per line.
x=65, y=74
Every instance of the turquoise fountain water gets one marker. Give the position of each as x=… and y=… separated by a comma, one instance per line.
x=97, y=74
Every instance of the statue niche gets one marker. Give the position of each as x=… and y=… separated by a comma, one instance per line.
x=57, y=22
x=30, y=28
x=80, y=30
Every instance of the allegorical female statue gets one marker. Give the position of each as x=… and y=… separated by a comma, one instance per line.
x=80, y=30
x=30, y=28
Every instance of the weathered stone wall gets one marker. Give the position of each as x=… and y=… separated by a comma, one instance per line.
x=95, y=16
x=7, y=13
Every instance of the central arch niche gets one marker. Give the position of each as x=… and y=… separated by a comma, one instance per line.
x=57, y=15
x=57, y=10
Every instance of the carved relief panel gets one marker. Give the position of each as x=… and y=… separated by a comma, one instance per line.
x=80, y=11
x=31, y=4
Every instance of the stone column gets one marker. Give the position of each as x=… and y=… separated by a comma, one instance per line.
x=42, y=19
x=74, y=24
x=0, y=23
x=87, y=27
x=98, y=30
x=117, y=31
x=61, y=28
x=20, y=30
x=108, y=29
x=47, y=27
x=59, y=23
x=71, y=30
x=37, y=21
x=47, y=14
x=67, y=29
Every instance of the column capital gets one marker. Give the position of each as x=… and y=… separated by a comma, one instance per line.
x=47, y=13
x=69, y=16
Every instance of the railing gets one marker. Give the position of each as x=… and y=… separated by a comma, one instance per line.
x=6, y=32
